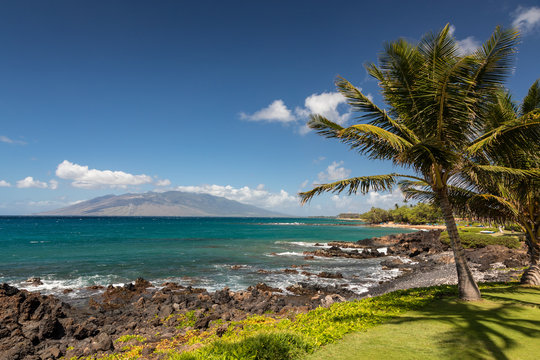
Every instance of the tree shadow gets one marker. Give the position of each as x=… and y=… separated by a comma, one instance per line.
x=480, y=332
x=513, y=294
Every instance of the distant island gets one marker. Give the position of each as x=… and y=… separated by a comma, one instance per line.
x=170, y=203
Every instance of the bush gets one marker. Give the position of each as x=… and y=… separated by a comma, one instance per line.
x=475, y=240
x=418, y=214
x=270, y=346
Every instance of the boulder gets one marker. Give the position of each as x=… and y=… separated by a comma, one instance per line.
x=329, y=275
x=34, y=281
x=102, y=342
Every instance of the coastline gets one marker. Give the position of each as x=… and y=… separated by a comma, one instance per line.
x=412, y=227
x=392, y=224
x=169, y=312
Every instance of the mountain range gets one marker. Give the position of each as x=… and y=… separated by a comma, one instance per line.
x=170, y=203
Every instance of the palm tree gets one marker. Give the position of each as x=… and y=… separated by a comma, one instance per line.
x=436, y=99
x=505, y=199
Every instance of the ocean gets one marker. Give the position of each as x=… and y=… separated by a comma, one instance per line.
x=73, y=252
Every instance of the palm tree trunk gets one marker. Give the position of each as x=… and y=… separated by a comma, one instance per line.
x=531, y=276
x=468, y=290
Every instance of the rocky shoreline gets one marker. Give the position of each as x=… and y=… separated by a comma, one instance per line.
x=34, y=327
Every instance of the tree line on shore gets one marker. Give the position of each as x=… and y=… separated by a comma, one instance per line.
x=466, y=146
x=420, y=213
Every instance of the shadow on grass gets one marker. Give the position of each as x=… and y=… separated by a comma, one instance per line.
x=523, y=295
x=480, y=332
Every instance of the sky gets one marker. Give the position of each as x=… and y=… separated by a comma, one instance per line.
x=110, y=97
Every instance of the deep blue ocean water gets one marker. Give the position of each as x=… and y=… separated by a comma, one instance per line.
x=73, y=252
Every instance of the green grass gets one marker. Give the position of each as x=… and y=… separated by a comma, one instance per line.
x=473, y=239
x=506, y=325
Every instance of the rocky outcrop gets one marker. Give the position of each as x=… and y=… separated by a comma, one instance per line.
x=35, y=327
x=497, y=254
x=32, y=324
x=409, y=245
x=335, y=251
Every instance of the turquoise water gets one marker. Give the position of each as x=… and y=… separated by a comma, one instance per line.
x=71, y=252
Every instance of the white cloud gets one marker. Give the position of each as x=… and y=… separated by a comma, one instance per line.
x=304, y=129
x=334, y=172
x=304, y=184
x=165, y=182
x=319, y=159
x=526, y=19
x=7, y=140
x=346, y=203
x=29, y=182
x=53, y=184
x=83, y=177
x=257, y=197
x=42, y=203
x=467, y=45
x=275, y=112
x=325, y=104
x=362, y=203
x=4, y=183
x=385, y=200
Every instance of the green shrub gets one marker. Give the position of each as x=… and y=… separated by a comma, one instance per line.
x=417, y=214
x=270, y=346
x=474, y=240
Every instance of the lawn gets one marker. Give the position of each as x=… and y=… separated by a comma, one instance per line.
x=506, y=325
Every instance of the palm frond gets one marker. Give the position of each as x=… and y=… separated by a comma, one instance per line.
x=324, y=127
x=532, y=99
x=371, y=112
x=424, y=155
x=376, y=142
x=357, y=132
x=494, y=173
x=517, y=134
x=363, y=184
x=417, y=189
x=495, y=59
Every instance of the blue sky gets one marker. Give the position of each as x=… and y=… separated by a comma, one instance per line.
x=101, y=97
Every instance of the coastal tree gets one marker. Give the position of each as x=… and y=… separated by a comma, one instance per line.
x=500, y=198
x=433, y=124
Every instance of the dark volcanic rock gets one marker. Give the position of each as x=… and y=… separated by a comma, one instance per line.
x=335, y=251
x=492, y=254
x=29, y=322
x=392, y=263
x=329, y=275
x=102, y=342
x=34, y=281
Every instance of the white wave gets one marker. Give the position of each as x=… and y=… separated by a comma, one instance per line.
x=383, y=250
x=56, y=286
x=230, y=266
x=290, y=253
x=286, y=223
x=304, y=244
x=358, y=288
